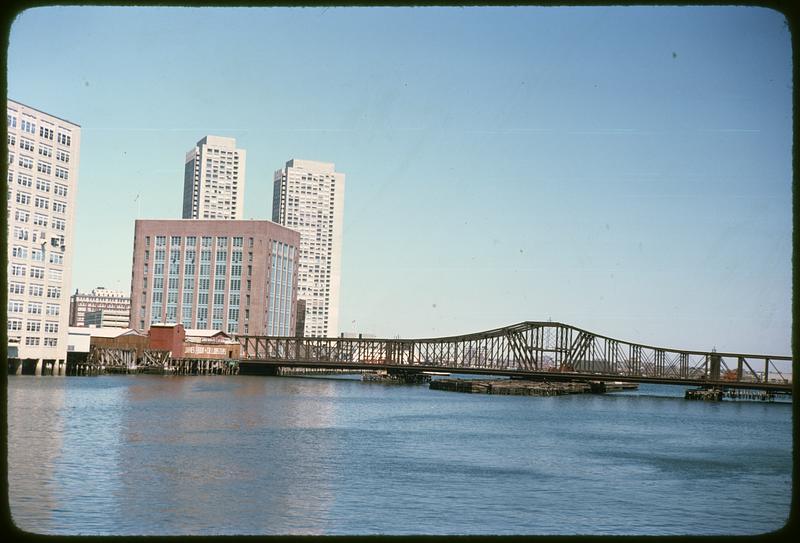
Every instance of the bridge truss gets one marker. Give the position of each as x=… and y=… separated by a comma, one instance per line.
x=528, y=348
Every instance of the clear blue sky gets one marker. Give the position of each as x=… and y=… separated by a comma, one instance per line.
x=625, y=170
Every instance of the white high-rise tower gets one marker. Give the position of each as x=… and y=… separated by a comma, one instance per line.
x=43, y=158
x=308, y=196
x=213, y=180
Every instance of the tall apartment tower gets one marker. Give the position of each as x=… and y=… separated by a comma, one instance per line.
x=43, y=159
x=308, y=196
x=213, y=180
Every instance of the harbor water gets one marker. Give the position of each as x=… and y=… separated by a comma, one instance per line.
x=209, y=455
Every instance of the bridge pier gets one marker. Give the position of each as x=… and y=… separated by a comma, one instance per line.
x=715, y=365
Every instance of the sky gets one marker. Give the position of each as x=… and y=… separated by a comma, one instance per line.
x=626, y=170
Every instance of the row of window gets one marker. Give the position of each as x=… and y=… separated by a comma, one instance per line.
x=44, y=185
x=19, y=251
x=39, y=219
x=33, y=341
x=34, y=308
x=15, y=325
x=20, y=270
x=21, y=233
x=191, y=241
x=41, y=202
x=33, y=290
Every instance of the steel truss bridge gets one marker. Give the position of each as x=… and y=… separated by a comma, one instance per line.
x=531, y=349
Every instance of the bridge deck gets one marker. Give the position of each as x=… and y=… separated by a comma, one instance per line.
x=547, y=350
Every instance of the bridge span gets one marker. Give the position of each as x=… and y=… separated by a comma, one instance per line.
x=531, y=349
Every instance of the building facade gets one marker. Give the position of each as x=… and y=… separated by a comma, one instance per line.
x=308, y=196
x=235, y=276
x=113, y=306
x=213, y=180
x=108, y=318
x=43, y=160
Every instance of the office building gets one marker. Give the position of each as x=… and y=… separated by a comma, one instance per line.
x=43, y=160
x=112, y=307
x=235, y=276
x=308, y=196
x=108, y=318
x=213, y=180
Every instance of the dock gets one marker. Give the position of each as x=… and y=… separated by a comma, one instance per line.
x=510, y=387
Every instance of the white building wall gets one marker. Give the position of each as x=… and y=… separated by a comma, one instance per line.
x=308, y=196
x=213, y=184
x=43, y=163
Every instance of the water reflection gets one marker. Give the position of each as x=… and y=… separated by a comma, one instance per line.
x=35, y=417
x=222, y=456
x=257, y=455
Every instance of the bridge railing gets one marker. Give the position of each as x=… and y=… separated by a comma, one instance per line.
x=529, y=346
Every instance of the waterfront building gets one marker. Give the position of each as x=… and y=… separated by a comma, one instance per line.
x=235, y=276
x=308, y=196
x=82, y=338
x=114, y=307
x=43, y=160
x=213, y=180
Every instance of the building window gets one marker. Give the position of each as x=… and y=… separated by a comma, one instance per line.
x=50, y=342
x=20, y=233
x=43, y=184
x=33, y=326
x=46, y=133
x=24, y=180
x=64, y=139
x=28, y=126
x=19, y=252
x=53, y=310
x=45, y=150
x=31, y=341
x=16, y=288
x=44, y=167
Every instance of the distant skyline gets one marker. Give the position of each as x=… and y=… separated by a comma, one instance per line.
x=627, y=170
